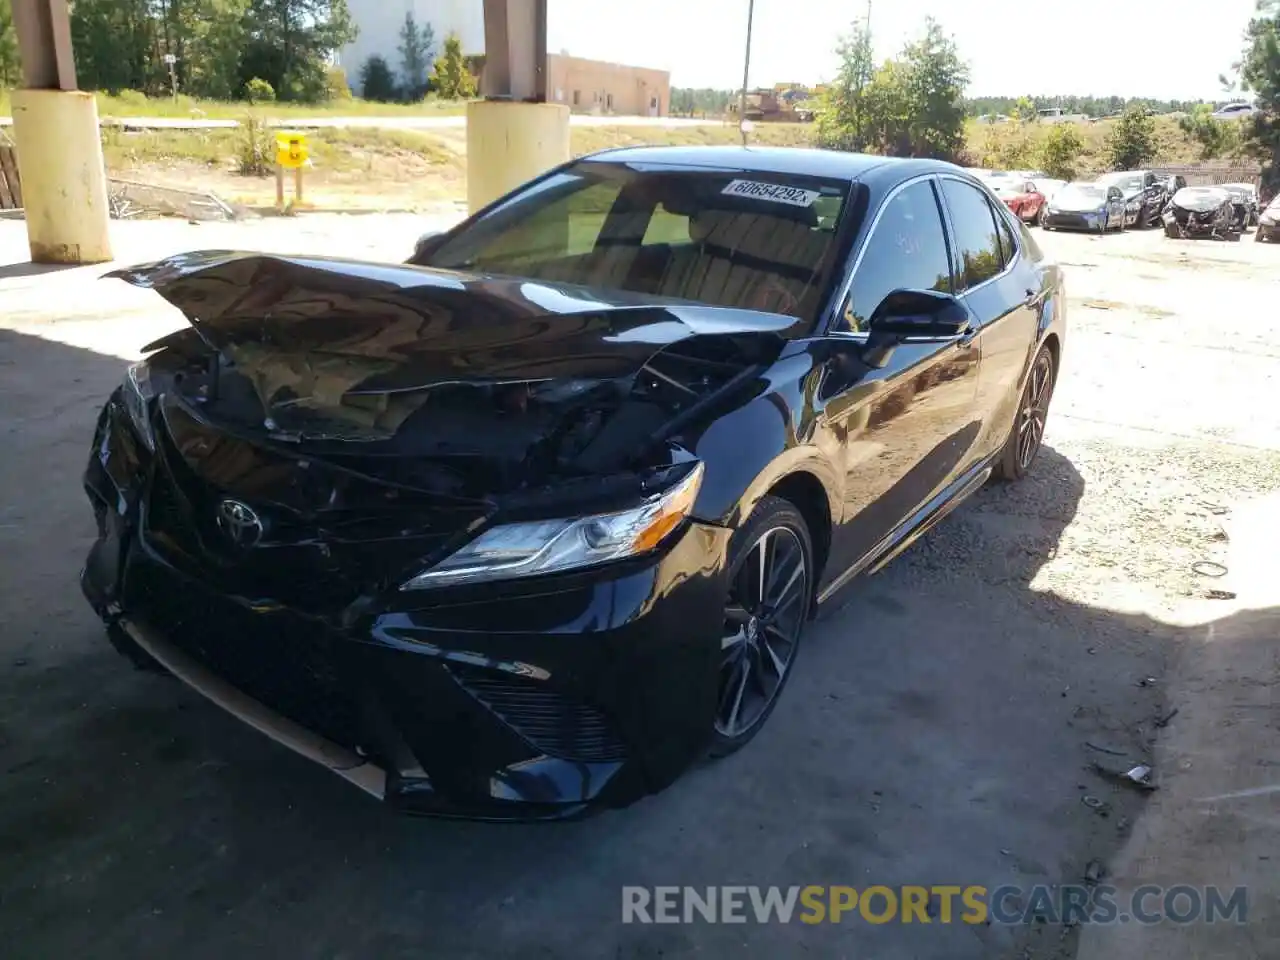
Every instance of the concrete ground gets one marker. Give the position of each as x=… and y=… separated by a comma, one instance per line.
x=939, y=729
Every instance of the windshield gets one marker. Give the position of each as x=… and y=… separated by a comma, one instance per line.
x=1086, y=192
x=1125, y=181
x=763, y=241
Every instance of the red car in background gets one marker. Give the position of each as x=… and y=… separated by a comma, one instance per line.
x=1020, y=196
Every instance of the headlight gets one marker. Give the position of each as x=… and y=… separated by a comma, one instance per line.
x=550, y=546
x=1133, y=206
x=137, y=395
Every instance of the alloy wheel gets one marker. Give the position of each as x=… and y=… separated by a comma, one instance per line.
x=1035, y=408
x=763, y=619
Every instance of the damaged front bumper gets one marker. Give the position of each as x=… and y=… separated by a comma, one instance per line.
x=535, y=699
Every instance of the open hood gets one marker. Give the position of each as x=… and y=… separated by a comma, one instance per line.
x=315, y=349
x=420, y=326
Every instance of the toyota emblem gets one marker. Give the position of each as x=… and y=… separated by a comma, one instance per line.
x=238, y=521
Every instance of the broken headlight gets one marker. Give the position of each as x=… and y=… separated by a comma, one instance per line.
x=551, y=546
x=136, y=393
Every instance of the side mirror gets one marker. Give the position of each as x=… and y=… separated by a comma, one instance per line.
x=913, y=313
x=425, y=247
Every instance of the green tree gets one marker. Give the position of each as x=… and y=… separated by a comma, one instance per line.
x=1132, y=143
x=376, y=80
x=10, y=68
x=936, y=78
x=451, y=78
x=1260, y=73
x=289, y=43
x=844, y=121
x=417, y=44
x=1060, y=152
x=1215, y=137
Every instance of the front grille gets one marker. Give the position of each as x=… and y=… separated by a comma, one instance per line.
x=287, y=663
x=556, y=725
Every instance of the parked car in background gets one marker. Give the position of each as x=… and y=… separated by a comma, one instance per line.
x=1020, y=196
x=532, y=523
x=1269, y=222
x=1201, y=212
x=1145, y=194
x=1234, y=111
x=1048, y=186
x=1085, y=206
x=1245, y=197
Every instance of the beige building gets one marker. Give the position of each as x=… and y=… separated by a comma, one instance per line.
x=593, y=86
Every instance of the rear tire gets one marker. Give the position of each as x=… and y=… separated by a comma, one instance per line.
x=1027, y=433
x=771, y=575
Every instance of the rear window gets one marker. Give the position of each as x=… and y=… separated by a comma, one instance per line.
x=763, y=241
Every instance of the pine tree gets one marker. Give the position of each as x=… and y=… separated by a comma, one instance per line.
x=416, y=47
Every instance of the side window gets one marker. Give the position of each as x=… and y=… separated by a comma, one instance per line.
x=977, y=238
x=1008, y=248
x=907, y=250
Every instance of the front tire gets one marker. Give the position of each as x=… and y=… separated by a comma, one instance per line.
x=770, y=591
x=1027, y=434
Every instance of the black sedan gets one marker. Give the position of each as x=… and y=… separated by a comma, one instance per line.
x=1203, y=212
x=1146, y=195
x=527, y=526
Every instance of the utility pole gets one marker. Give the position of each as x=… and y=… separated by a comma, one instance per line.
x=746, y=72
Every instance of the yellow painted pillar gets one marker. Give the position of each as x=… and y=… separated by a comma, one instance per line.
x=510, y=142
x=64, y=183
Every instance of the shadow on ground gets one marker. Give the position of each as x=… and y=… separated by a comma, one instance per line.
x=10, y=271
x=933, y=733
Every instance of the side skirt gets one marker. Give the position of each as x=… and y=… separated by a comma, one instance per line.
x=914, y=527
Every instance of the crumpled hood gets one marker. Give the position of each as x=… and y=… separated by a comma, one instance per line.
x=1200, y=199
x=414, y=326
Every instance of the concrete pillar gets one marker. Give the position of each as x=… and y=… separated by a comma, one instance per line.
x=510, y=142
x=64, y=184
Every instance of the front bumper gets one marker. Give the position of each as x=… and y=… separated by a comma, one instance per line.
x=526, y=700
x=1062, y=220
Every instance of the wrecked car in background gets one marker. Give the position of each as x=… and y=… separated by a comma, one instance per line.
x=1244, y=196
x=1085, y=206
x=529, y=525
x=1269, y=222
x=1202, y=212
x=1021, y=197
x=1146, y=195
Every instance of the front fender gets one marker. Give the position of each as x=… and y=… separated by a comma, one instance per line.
x=750, y=449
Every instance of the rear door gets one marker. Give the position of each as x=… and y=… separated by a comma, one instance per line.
x=1003, y=292
x=907, y=428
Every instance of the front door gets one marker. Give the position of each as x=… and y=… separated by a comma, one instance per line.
x=1003, y=298
x=907, y=427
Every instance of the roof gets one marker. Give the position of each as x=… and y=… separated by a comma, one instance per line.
x=803, y=161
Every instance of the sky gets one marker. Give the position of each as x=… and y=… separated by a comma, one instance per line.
x=1170, y=50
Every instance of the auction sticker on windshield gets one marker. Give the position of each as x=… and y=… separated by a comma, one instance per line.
x=774, y=192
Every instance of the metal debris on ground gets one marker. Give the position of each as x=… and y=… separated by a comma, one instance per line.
x=1093, y=872
x=128, y=198
x=1208, y=568
x=1148, y=682
x=1134, y=776
x=1164, y=721
x=1095, y=804
x=1102, y=749
x=1220, y=594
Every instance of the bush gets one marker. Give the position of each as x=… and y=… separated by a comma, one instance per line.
x=1060, y=153
x=258, y=90
x=1132, y=143
x=336, y=85
x=255, y=148
x=376, y=80
x=451, y=78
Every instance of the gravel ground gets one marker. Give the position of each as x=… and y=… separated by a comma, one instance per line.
x=935, y=730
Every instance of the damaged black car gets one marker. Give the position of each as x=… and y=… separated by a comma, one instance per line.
x=526, y=526
x=1203, y=212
